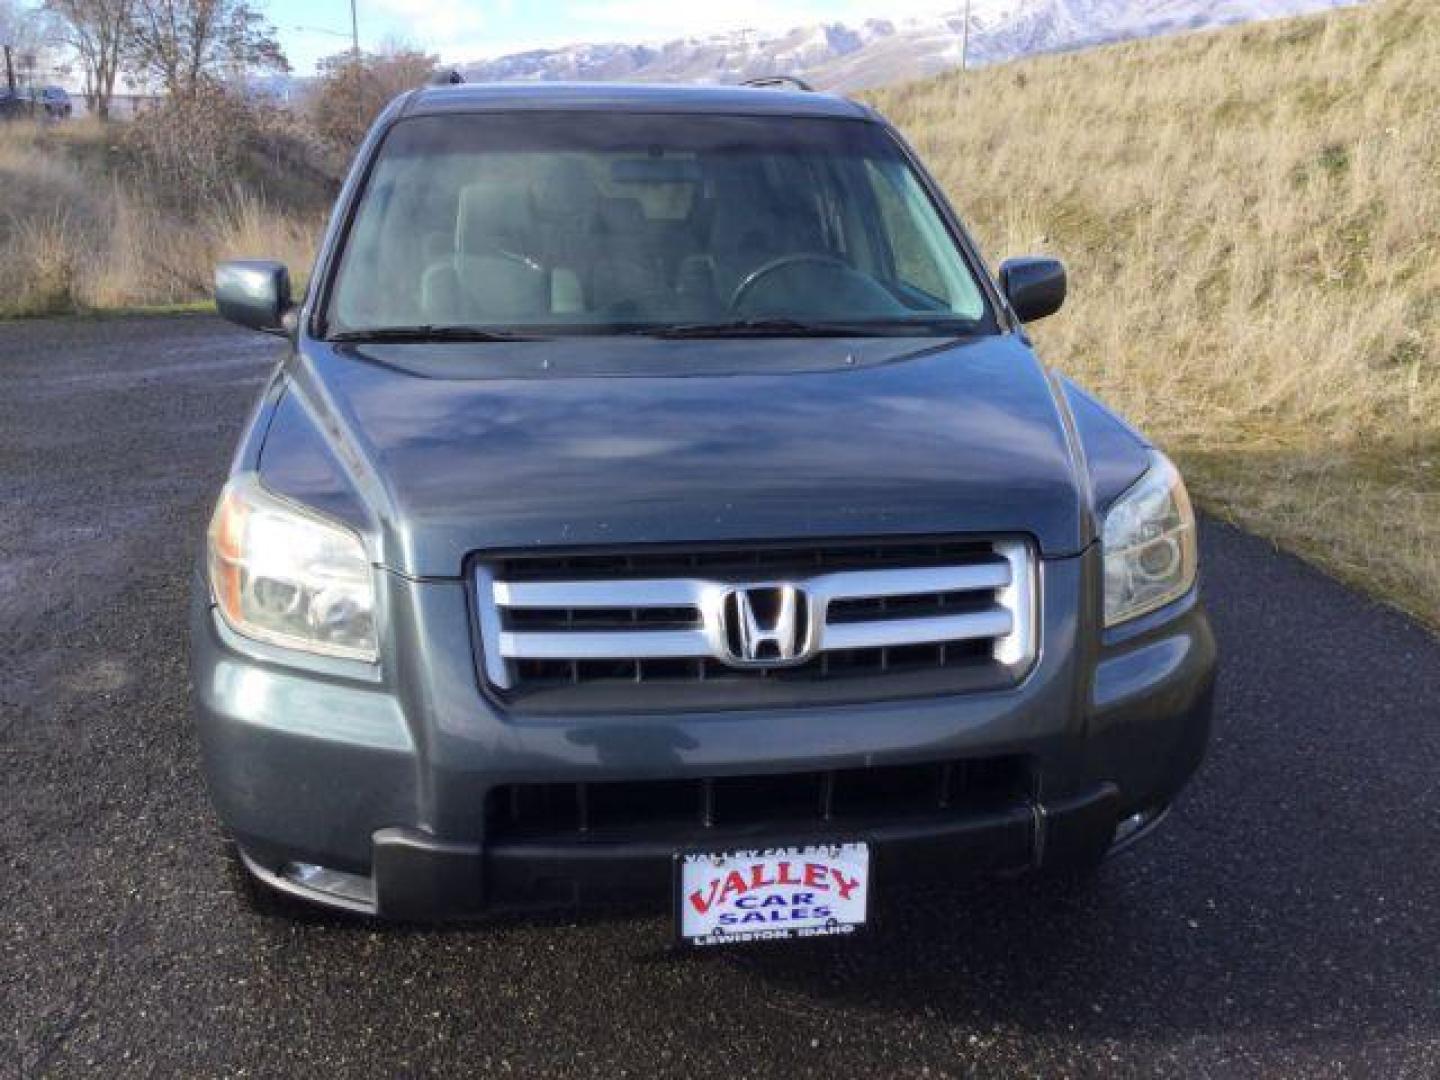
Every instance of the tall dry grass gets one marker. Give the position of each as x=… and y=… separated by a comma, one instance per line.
x=82, y=229
x=1252, y=222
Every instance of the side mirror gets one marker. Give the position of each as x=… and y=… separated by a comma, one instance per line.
x=254, y=293
x=1034, y=286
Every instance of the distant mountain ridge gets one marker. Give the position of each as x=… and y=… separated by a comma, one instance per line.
x=877, y=51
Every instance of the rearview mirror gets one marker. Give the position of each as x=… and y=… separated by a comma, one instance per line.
x=254, y=293
x=1035, y=286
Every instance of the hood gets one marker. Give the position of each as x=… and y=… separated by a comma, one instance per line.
x=439, y=451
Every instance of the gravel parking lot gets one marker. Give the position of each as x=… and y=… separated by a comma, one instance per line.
x=1285, y=922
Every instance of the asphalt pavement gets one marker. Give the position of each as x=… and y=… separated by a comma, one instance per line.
x=1284, y=922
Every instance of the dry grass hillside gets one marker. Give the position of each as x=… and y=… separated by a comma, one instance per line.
x=1252, y=223
x=85, y=224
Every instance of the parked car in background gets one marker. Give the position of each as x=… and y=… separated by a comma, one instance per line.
x=52, y=102
x=13, y=105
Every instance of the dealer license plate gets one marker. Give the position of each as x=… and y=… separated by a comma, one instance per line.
x=772, y=893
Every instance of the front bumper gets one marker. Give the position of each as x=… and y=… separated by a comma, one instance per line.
x=382, y=775
x=413, y=876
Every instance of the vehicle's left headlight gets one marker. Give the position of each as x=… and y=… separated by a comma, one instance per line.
x=285, y=575
x=1149, y=545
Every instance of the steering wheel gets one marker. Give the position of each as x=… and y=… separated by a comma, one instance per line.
x=784, y=262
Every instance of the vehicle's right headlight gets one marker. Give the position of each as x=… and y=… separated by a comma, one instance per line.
x=1149, y=545
x=285, y=575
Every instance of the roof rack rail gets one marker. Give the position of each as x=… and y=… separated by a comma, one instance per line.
x=446, y=78
x=780, y=80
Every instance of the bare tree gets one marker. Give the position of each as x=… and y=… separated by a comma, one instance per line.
x=97, y=31
x=22, y=40
x=181, y=43
x=18, y=25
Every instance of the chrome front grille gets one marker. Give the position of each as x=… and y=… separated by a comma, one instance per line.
x=815, y=615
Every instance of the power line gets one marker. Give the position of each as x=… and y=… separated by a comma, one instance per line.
x=353, y=35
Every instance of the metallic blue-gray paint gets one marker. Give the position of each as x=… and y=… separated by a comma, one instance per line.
x=436, y=452
x=462, y=448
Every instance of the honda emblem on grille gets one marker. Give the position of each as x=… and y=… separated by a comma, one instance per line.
x=767, y=625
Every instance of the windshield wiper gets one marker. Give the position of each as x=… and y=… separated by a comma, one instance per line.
x=750, y=328
x=421, y=334
x=801, y=329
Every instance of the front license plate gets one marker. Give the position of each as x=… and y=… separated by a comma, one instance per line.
x=772, y=893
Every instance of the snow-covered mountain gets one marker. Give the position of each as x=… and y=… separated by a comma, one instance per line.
x=877, y=51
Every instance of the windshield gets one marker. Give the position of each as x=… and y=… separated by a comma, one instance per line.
x=589, y=222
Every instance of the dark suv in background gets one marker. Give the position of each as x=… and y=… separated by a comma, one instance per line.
x=53, y=102
x=13, y=105
x=45, y=102
x=658, y=498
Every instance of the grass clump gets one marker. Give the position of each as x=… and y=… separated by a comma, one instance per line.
x=1252, y=222
x=100, y=217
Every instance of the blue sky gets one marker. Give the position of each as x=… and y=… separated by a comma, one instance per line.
x=470, y=29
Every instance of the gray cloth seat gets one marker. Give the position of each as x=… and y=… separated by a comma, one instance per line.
x=598, y=249
x=627, y=271
x=494, y=275
x=563, y=200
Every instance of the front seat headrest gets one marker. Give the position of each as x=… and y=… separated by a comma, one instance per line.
x=493, y=214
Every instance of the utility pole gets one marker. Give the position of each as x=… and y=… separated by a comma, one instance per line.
x=354, y=31
x=964, y=40
x=9, y=70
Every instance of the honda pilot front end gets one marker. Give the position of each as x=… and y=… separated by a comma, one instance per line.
x=659, y=500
